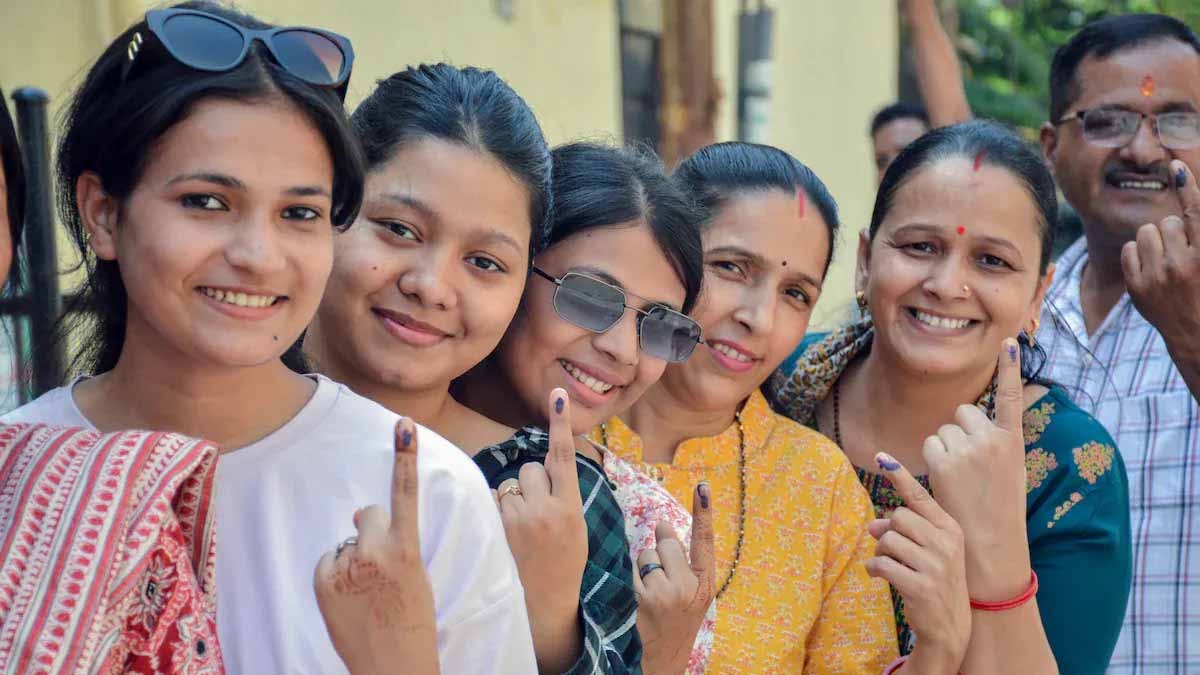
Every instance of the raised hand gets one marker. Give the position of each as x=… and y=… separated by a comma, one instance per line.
x=542, y=512
x=1162, y=270
x=977, y=471
x=373, y=591
x=921, y=554
x=675, y=592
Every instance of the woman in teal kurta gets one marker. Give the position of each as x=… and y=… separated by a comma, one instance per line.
x=953, y=265
x=1077, y=510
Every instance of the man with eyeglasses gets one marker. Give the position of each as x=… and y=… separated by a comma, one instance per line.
x=1122, y=322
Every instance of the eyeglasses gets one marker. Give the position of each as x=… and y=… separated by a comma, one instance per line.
x=209, y=42
x=1115, y=127
x=597, y=306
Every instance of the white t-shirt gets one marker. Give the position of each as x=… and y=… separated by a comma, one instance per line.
x=285, y=500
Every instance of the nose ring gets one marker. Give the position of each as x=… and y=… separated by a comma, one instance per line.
x=966, y=290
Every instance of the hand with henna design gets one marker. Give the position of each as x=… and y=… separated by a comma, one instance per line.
x=373, y=591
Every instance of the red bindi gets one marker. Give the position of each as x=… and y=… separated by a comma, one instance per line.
x=961, y=230
x=1148, y=86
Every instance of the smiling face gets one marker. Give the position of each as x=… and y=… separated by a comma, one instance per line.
x=1117, y=190
x=604, y=373
x=763, y=269
x=942, y=301
x=225, y=244
x=429, y=277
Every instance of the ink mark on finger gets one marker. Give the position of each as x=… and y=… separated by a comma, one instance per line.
x=1180, y=177
x=558, y=405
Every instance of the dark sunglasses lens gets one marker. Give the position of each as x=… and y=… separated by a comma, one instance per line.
x=669, y=335
x=589, y=303
x=310, y=56
x=202, y=42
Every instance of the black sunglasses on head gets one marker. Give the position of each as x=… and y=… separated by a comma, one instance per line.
x=212, y=43
x=597, y=306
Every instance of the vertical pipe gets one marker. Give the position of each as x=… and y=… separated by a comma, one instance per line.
x=42, y=294
x=754, y=73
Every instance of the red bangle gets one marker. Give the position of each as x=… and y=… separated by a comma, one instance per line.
x=1012, y=603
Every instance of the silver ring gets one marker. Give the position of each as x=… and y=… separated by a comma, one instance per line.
x=348, y=541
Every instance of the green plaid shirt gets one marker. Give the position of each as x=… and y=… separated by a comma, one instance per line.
x=607, y=603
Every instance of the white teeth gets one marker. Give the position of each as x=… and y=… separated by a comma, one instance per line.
x=239, y=299
x=588, y=381
x=730, y=352
x=941, y=321
x=1142, y=185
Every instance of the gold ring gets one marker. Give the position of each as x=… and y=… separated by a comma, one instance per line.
x=510, y=489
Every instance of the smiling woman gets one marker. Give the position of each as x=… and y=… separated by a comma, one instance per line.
x=204, y=202
x=913, y=379
x=790, y=520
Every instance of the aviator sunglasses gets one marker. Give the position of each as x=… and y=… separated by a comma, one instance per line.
x=212, y=43
x=597, y=306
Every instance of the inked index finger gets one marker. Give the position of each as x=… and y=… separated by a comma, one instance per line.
x=404, y=479
x=560, y=459
x=915, y=496
x=1010, y=389
x=1189, y=198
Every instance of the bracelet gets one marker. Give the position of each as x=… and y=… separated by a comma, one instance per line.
x=1012, y=603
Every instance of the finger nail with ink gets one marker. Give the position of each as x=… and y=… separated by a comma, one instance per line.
x=406, y=436
x=1180, y=177
x=887, y=462
x=1012, y=352
x=702, y=490
x=558, y=405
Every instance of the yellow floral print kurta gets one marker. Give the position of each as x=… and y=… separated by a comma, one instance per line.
x=800, y=600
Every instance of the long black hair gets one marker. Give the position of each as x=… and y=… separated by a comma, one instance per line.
x=598, y=185
x=469, y=106
x=994, y=145
x=715, y=173
x=111, y=128
x=14, y=174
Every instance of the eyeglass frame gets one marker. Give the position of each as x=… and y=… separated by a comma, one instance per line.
x=156, y=21
x=1082, y=112
x=558, y=284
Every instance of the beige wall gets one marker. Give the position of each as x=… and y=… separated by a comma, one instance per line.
x=834, y=64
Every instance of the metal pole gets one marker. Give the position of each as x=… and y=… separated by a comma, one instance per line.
x=754, y=72
x=42, y=292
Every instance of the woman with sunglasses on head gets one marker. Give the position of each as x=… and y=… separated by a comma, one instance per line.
x=789, y=516
x=205, y=163
x=600, y=318
x=953, y=272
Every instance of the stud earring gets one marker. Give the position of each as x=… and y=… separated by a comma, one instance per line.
x=861, y=298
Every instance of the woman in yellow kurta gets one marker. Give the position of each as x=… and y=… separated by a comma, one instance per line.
x=789, y=514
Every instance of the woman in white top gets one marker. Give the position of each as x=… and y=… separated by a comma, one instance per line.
x=204, y=165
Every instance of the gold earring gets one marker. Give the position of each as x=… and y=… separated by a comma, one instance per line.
x=861, y=298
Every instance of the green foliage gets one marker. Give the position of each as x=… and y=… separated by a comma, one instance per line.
x=1006, y=47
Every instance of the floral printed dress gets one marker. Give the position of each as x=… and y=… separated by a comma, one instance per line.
x=1077, y=508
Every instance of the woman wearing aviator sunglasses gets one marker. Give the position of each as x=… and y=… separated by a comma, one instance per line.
x=790, y=518
x=599, y=320
x=203, y=194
